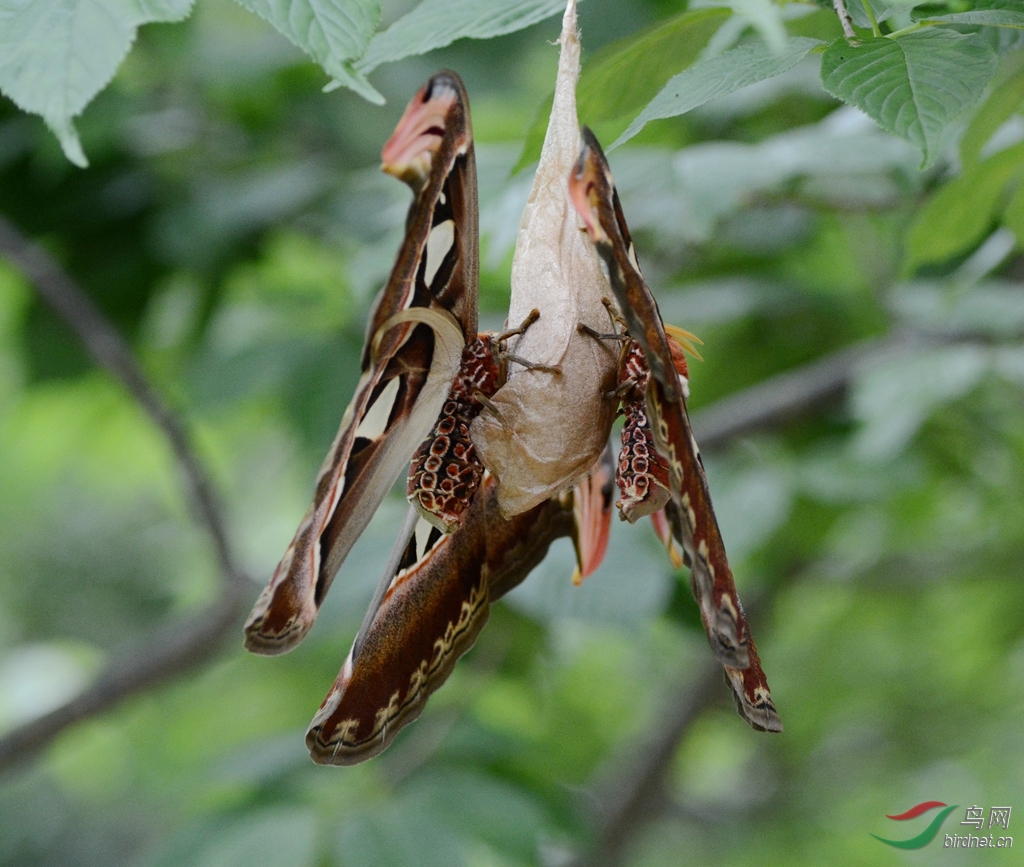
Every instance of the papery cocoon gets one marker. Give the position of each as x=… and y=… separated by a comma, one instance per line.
x=550, y=428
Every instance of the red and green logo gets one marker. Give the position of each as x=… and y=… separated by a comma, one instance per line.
x=928, y=834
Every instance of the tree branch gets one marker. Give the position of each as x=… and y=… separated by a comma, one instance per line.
x=179, y=646
x=844, y=18
x=785, y=396
x=109, y=350
x=629, y=788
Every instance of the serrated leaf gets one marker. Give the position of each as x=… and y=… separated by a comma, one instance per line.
x=436, y=23
x=994, y=13
x=962, y=212
x=630, y=72
x=56, y=55
x=333, y=32
x=718, y=76
x=914, y=86
x=896, y=397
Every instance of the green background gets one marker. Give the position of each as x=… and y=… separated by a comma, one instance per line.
x=234, y=226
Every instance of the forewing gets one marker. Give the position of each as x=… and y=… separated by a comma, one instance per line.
x=750, y=691
x=419, y=324
x=689, y=513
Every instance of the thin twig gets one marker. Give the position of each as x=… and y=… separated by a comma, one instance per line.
x=844, y=18
x=629, y=788
x=783, y=397
x=109, y=350
x=871, y=17
x=178, y=647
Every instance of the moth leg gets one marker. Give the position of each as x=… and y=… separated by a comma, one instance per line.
x=602, y=335
x=531, y=365
x=531, y=317
x=622, y=389
x=489, y=405
x=504, y=356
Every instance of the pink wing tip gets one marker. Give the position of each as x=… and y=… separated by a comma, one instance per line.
x=416, y=138
x=581, y=183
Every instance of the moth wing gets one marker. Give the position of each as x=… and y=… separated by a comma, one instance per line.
x=430, y=613
x=414, y=341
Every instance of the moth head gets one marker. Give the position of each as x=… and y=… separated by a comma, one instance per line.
x=409, y=152
x=589, y=185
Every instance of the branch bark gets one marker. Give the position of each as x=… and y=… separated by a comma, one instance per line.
x=179, y=646
x=629, y=789
x=785, y=396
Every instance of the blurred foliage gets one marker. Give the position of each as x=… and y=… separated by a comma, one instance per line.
x=234, y=226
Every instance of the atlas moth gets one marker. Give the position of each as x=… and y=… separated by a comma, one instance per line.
x=493, y=483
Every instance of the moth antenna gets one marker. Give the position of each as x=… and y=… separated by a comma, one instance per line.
x=685, y=339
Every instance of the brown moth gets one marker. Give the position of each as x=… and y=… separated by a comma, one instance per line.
x=545, y=428
x=415, y=338
x=642, y=474
x=656, y=367
x=434, y=604
x=446, y=471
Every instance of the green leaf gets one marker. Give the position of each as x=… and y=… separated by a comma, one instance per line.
x=1005, y=99
x=859, y=16
x=333, y=32
x=56, y=55
x=718, y=76
x=995, y=13
x=630, y=72
x=896, y=396
x=436, y=23
x=962, y=212
x=913, y=87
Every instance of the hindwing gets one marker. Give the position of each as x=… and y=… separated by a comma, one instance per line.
x=432, y=608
